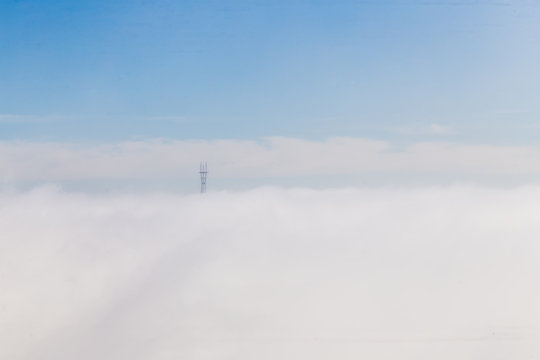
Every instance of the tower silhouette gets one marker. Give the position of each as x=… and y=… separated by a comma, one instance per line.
x=203, y=171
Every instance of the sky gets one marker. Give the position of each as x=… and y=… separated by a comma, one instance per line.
x=101, y=95
x=395, y=70
x=434, y=272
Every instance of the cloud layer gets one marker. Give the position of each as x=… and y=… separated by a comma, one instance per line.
x=272, y=157
x=446, y=273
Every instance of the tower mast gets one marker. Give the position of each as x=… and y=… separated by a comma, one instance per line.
x=203, y=171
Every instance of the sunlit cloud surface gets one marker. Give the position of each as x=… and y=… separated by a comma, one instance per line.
x=445, y=273
x=274, y=157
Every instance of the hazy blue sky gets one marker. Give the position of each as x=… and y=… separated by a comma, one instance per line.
x=388, y=69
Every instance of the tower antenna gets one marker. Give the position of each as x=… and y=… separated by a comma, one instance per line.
x=203, y=171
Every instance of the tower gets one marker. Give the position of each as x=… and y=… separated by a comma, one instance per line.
x=203, y=171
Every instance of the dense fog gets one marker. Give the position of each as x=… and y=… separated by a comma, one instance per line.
x=359, y=273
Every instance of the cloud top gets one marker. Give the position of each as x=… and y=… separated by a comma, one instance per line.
x=276, y=157
x=355, y=273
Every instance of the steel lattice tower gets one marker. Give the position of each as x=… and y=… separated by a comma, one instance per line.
x=203, y=171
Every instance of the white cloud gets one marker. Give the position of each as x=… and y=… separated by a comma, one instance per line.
x=271, y=157
x=446, y=273
x=431, y=129
x=440, y=129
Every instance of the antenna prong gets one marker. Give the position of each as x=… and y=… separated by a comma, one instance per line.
x=203, y=171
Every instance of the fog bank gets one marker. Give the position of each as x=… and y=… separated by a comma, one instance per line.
x=434, y=272
x=332, y=162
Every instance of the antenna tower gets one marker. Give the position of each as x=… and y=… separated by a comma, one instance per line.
x=203, y=171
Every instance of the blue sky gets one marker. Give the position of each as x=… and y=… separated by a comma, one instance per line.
x=115, y=70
